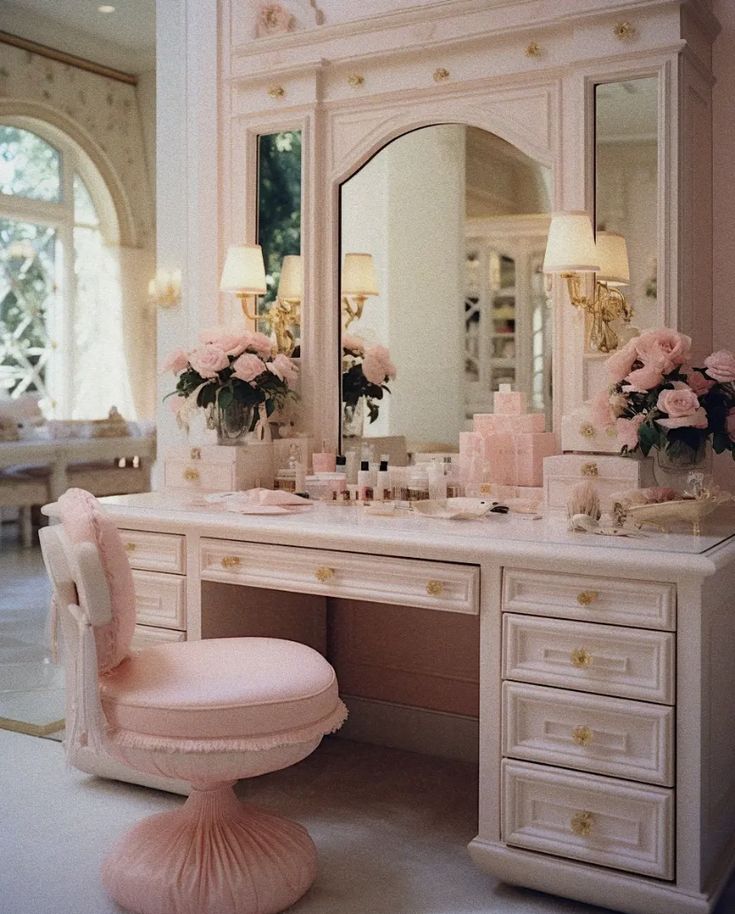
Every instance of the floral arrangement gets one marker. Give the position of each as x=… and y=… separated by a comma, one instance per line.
x=656, y=399
x=231, y=368
x=365, y=373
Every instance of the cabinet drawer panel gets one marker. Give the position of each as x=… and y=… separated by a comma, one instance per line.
x=629, y=663
x=154, y=551
x=406, y=582
x=627, y=739
x=160, y=599
x=642, y=604
x=196, y=474
x=590, y=818
x=146, y=635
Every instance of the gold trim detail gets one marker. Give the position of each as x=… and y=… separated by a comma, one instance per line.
x=580, y=658
x=440, y=74
x=323, y=574
x=230, y=561
x=623, y=30
x=71, y=60
x=587, y=597
x=130, y=547
x=533, y=50
x=590, y=469
x=587, y=430
x=435, y=588
x=191, y=475
x=582, y=735
x=581, y=824
x=276, y=91
x=356, y=80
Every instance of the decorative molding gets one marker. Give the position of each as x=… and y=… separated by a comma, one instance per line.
x=71, y=60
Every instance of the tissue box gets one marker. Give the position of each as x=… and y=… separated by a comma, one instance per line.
x=220, y=468
x=579, y=434
x=610, y=475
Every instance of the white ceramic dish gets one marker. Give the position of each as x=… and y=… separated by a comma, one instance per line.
x=455, y=508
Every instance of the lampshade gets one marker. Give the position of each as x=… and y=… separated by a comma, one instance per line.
x=291, y=283
x=612, y=253
x=358, y=275
x=570, y=246
x=244, y=270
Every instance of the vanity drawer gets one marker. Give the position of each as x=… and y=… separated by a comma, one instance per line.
x=626, y=739
x=154, y=551
x=146, y=635
x=610, y=660
x=197, y=474
x=380, y=579
x=160, y=599
x=642, y=604
x=586, y=817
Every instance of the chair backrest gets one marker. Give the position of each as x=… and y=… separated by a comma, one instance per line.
x=101, y=573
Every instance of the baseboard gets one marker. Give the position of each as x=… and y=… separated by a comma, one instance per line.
x=436, y=733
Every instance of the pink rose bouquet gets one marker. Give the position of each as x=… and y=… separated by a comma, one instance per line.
x=366, y=371
x=656, y=399
x=232, y=367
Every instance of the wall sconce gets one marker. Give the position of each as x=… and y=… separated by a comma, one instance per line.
x=358, y=283
x=570, y=251
x=244, y=274
x=164, y=290
x=286, y=311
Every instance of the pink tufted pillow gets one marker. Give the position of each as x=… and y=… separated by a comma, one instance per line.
x=85, y=522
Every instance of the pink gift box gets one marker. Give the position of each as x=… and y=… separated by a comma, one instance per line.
x=509, y=402
x=530, y=450
x=492, y=423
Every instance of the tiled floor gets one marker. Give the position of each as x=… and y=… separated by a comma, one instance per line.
x=31, y=687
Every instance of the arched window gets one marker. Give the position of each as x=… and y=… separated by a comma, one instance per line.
x=60, y=299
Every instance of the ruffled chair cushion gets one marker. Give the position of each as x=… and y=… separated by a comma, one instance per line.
x=85, y=522
x=221, y=694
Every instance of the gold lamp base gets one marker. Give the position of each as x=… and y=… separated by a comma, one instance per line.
x=280, y=317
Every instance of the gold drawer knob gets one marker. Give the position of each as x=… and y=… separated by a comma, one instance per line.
x=581, y=824
x=580, y=658
x=587, y=430
x=191, y=475
x=324, y=573
x=276, y=91
x=435, y=588
x=582, y=736
x=196, y=453
x=355, y=80
x=624, y=31
x=130, y=547
x=586, y=597
x=590, y=469
x=440, y=74
x=230, y=561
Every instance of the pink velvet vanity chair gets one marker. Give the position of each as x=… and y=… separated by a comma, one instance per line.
x=208, y=712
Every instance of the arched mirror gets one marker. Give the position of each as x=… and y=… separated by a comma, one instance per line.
x=443, y=234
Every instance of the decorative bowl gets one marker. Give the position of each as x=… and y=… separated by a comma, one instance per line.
x=684, y=510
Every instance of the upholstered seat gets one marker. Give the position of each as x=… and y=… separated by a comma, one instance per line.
x=208, y=712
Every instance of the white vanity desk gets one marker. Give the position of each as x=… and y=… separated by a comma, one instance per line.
x=607, y=681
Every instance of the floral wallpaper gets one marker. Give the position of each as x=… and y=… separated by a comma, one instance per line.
x=105, y=108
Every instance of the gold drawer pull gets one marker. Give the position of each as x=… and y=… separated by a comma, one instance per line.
x=587, y=597
x=582, y=736
x=435, y=588
x=590, y=469
x=190, y=474
x=580, y=657
x=230, y=561
x=130, y=547
x=324, y=573
x=440, y=74
x=276, y=91
x=581, y=824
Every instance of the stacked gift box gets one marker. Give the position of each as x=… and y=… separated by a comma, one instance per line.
x=506, y=447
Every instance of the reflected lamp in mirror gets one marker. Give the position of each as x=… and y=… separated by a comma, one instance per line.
x=164, y=290
x=359, y=282
x=571, y=251
x=244, y=274
x=286, y=311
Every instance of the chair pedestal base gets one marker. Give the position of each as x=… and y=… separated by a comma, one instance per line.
x=215, y=855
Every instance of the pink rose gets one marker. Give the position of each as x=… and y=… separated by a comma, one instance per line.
x=721, y=366
x=377, y=366
x=248, y=367
x=698, y=419
x=679, y=402
x=667, y=345
x=282, y=367
x=353, y=344
x=231, y=340
x=175, y=361
x=260, y=344
x=600, y=411
x=626, y=431
x=620, y=363
x=730, y=424
x=208, y=360
x=699, y=384
x=646, y=378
